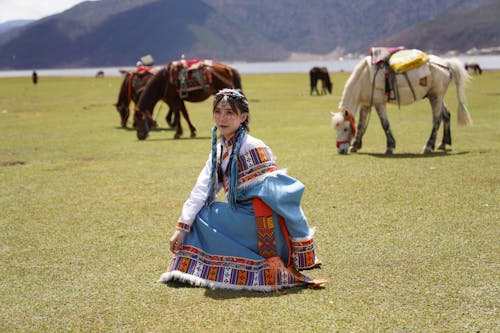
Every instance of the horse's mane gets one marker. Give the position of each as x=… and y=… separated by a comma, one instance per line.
x=153, y=91
x=352, y=89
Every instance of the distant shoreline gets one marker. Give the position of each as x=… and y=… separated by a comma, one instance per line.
x=487, y=62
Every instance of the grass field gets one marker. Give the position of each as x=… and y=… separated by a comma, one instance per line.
x=409, y=243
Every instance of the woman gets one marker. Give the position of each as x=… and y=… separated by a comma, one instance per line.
x=259, y=239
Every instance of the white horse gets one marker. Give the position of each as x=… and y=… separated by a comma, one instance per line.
x=366, y=87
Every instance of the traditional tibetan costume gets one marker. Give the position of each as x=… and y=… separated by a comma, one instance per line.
x=259, y=241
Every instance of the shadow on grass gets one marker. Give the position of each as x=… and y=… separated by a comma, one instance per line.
x=158, y=129
x=162, y=129
x=221, y=294
x=414, y=155
x=180, y=139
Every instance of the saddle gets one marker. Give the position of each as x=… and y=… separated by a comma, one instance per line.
x=190, y=75
x=141, y=70
x=399, y=62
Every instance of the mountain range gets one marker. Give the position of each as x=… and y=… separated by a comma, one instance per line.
x=118, y=32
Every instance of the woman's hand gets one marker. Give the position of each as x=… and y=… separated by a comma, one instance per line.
x=176, y=241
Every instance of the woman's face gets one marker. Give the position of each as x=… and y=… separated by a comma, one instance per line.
x=226, y=120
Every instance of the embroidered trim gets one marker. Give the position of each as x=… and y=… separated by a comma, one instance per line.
x=227, y=271
x=304, y=255
x=265, y=228
x=183, y=226
x=254, y=163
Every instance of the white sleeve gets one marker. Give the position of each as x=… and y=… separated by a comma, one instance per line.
x=198, y=195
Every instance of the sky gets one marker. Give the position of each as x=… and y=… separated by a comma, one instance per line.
x=32, y=9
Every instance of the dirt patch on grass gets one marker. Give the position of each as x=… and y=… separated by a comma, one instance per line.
x=12, y=163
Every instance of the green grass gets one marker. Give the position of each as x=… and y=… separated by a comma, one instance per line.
x=409, y=243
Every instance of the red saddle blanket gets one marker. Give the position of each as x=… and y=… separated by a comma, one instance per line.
x=190, y=75
x=380, y=54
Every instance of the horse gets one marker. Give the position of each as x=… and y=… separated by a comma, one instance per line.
x=180, y=81
x=474, y=67
x=100, y=74
x=132, y=86
x=367, y=87
x=320, y=73
x=34, y=77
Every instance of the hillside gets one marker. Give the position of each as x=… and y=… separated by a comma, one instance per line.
x=13, y=24
x=118, y=32
x=474, y=28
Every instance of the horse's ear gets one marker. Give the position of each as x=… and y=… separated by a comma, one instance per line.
x=346, y=113
x=332, y=113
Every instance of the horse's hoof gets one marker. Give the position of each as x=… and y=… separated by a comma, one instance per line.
x=353, y=149
x=427, y=151
x=177, y=136
x=193, y=135
x=388, y=152
x=442, y=147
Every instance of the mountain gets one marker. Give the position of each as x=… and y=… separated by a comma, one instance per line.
x=13, y=24
x=474, y=28
x=118, y=32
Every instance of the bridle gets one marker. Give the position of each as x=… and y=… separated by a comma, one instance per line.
x=350, y=118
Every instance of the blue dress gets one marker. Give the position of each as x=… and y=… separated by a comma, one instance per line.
x=260, y=243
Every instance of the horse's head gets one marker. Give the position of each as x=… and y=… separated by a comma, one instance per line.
x=142, y=124
x=124, y=112
x=329, y=86
x=344, y=125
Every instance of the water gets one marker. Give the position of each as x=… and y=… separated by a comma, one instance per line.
x=487, y=62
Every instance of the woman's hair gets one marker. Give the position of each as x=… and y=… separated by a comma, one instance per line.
x=238, y=102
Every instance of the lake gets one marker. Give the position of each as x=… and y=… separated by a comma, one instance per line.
x=487, y=62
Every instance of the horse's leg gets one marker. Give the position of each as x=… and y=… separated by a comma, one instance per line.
x=185, y=114
x=437, y=105
x=364, y=112
x=126, y=115
x=314, y=87
x=177, y=123
x=168, y=118
x=384, y=121
x=445, y=115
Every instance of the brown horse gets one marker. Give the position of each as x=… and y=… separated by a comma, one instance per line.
x=320, y=74
x=180, y=81
x=131, y=89
x=474, y=67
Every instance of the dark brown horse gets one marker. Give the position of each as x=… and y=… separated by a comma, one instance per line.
x=474, y=67
x=320, y=74
x=180, y=81
x=131, y=89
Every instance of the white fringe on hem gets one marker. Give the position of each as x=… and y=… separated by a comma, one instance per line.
x=199, y=282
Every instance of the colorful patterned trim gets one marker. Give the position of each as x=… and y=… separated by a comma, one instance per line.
x=183, y=226
x=230, y=271
x=303, y=254
x=254, y=163
x=265, y=228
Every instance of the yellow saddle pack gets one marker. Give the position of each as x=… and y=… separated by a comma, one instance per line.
x=406, y=60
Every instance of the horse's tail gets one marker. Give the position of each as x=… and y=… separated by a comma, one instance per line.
x=461, y=77
x=237, y=80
